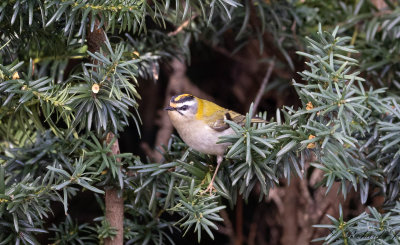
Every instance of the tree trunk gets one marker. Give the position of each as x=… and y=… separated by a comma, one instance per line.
x=115, y=215
x=115, y=203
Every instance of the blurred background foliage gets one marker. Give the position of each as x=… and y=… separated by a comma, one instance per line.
x=327, y=77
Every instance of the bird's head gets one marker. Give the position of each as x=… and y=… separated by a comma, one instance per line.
x=183, y=106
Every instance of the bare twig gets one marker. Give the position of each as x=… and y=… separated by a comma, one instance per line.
x=263, y=85
x=148, y=150
x=274, y=196
x=296, y=39
x=182, y=26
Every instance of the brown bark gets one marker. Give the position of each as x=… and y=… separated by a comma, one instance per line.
x=115, y=215
x=96, y=38
x=299, y=210
x=115, y=203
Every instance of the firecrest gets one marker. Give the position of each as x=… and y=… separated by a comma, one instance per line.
x=200, y=123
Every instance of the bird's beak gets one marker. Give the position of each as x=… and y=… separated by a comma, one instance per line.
x=170, y=108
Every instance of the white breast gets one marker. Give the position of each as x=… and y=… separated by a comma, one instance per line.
x=201, y=137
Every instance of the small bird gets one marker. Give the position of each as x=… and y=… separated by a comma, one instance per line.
x=200, y=123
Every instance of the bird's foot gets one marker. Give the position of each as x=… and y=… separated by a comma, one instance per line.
x=210, y=188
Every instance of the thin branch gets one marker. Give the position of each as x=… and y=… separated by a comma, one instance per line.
x=275, y=197
x=182, y=26
x=148, y=150
x=263, y=85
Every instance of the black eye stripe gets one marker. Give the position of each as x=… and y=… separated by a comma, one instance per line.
x=182, y=108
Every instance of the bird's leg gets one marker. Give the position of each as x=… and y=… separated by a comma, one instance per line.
x=210, y=187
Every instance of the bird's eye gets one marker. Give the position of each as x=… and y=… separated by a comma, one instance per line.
x=184, y=108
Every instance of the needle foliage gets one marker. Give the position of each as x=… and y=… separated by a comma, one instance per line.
x=54, y=119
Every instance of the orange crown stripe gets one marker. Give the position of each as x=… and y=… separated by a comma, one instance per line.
x=181, y=96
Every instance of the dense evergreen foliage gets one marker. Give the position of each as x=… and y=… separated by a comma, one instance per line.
x=59, y=100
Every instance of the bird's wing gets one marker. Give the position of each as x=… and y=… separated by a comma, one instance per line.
x=217, y=122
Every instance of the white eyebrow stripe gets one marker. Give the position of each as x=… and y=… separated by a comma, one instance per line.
x=188, y=103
